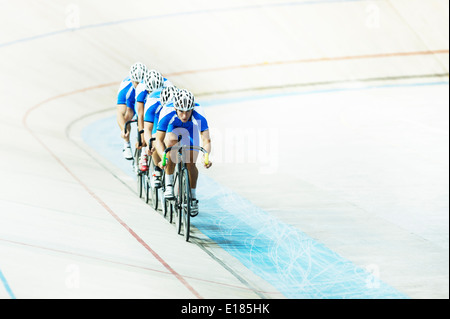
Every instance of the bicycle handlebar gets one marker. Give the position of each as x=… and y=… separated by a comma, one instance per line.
x=126, y=124
x=184, y=147
x=139, y=133
x=150, y=142
x=139, y=137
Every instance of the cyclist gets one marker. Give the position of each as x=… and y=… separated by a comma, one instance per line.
x=156, y=102
x=186, y=121
x=142, y=93
x=153, y=81
x=126, y=101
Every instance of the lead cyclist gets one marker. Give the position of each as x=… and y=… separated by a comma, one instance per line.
x=186, y=121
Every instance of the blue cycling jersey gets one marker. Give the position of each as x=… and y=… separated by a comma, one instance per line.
x=190, y=131
x=152, y=108
x=128, y=94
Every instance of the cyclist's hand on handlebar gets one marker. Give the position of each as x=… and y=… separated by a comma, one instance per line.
x=150, y=151
x=143, y=144
x=125, y=135
x=207, y=165
x=160, y=165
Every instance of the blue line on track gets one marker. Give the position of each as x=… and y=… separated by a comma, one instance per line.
x=294, y=263
x=6, y=285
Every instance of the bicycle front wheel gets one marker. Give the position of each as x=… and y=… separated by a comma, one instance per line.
x=153, y=189
x=177, y=186
x=168, y=210
x=137, y=155
x=186, y=204
x=146, y=187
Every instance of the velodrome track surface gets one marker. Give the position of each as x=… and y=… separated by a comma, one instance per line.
x=339, y=190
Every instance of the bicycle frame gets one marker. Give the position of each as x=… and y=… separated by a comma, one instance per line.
x=182, y=201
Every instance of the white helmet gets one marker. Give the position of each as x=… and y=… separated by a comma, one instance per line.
x=168, y=94
x=137, y=72
x=183, y=100
x=153, y=80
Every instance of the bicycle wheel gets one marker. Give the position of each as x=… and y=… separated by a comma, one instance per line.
x=177, y=186
x=186, y=204
x=146, y=187
x=168, y=210
x=137, y=155
x=166, y=204
x=163, y=204
x=171, y=210
x=153, y=189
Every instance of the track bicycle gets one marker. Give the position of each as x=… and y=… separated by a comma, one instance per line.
x=182, y=188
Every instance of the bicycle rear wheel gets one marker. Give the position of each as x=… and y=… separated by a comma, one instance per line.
x=186, y=204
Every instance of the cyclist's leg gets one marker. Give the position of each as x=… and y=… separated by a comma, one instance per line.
x=128, y=116
x=194, y=140
x=120, y=115
x=157, y=173
x=123, y=115
x=192, y=167
x=144, y=161
x=170, y=141
x=151, y=127
x=156, y=159
x=193, y=177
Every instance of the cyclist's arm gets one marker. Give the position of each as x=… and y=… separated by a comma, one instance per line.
x=140, y=113
x=121, y=111
x=159, y=143
x=206, y=144
x=128, y=115
x=148, y=127
x=206, y=141
x=204, y=130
